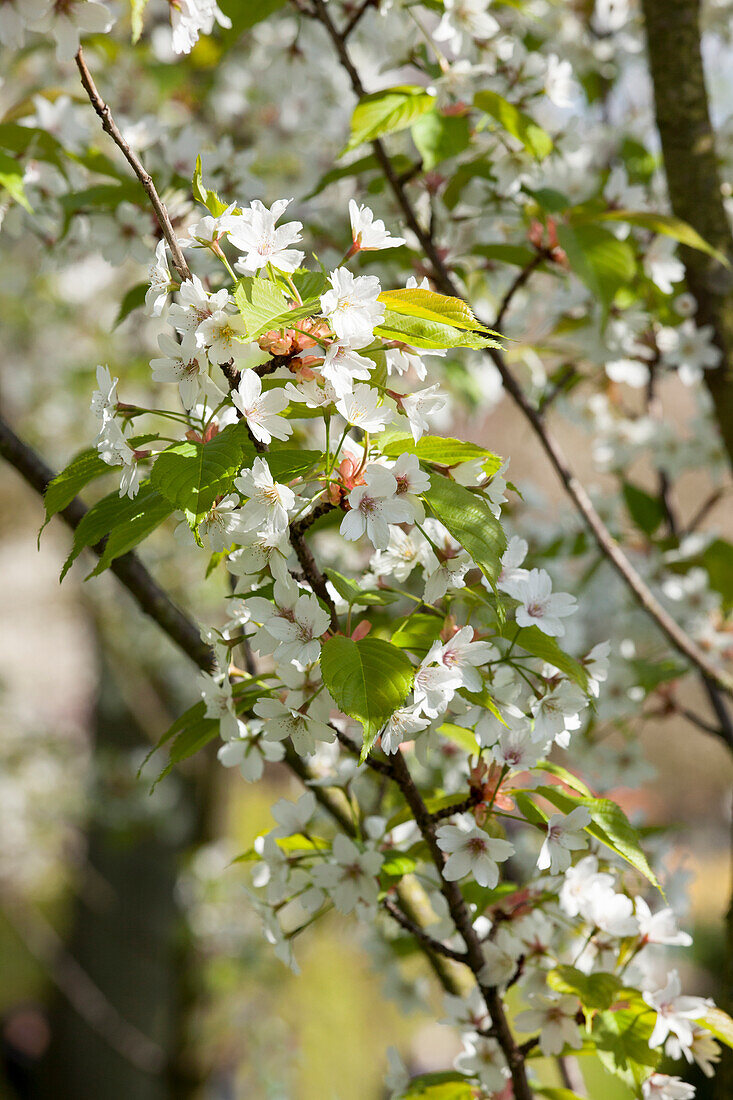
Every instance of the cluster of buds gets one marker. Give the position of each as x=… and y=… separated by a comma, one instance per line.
x=293, y=341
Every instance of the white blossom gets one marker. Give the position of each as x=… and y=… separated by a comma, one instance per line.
x=539, y=605
x=256, y=233
x=261, y=410
x=565, y=834
x=472, y=852
x=367, y=233
x=352, y=307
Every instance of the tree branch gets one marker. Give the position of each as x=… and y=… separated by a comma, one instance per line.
x=420, y=934
x=110, y=127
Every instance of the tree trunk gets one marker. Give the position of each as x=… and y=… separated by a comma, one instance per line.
x=691, y=166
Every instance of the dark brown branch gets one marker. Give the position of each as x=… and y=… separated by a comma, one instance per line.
x=149, y=596
x=420, y=934
x=357, y=16
x=110, y=126
x=463, y=807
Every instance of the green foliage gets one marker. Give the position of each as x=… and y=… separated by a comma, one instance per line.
x=137, y=8
x=719, y=1024
x=717, y=560
x=439, y=137
x=83, y=468
x=417, y=302
x=11, y=179
x=124, y=536
x=286, y=464
x=439, y=1086
x=609, y=824
x=417, y=632
x=460, y=736
x=350, y=591
x=665, y=224
x=647, y=511
x=113, y=512
x=133, y=299
x=470, y=521
x=369, y=680
x=192, y=475
x=421, y=332
x=260, y=303
x=205, y=195
x=535, y=641
x=534, y=139
x=441, y=450
x=386, y=112
x=604, y=263
x=596, y=992
x=622, y=1042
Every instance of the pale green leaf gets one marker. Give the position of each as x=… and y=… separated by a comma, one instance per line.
x=386, y=112
x=136, y=17
x=260, y=303
x=535, y=641
x=666, y=224
x=11, y=178
x=534, y=139
x=604, y=263
x=441, y=450
x=439, y=137
x=83, y=468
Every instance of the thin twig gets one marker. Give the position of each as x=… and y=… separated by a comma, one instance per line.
x=356, y=17
x=420, y=934
x=110, y=127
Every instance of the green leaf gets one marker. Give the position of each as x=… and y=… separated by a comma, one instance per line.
x=646, y=511
x=439, y=137
x=286, y=464
x=417, y=632
x=665, y=224
x=438, y=449
x=470, y=521
x=557, y=1094
x=33, y=142
x=464, y=738
x=609, y=824
x=83, y=468
x=398, y=865
x=534, y=139
x=133, y=299
x=717, y=560
x=369, y=680
x=11, y=178
x=535, y=641
x=421, y=332
x=127, y=535
x=386, y=112
x=107, y=514
x=450, y=1085
x=517, y=254
x=259, y=302
x=719, y=1024
x=350, y=591
x=604, y=263
x=136, y=18
x=205, y=195
x=596, y=992
x=622, y=1042
x=192, y=475
x=442, y=308
x=566, y=776
x=100, y=197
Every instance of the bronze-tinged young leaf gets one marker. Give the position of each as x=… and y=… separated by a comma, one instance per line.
x=369, y=680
